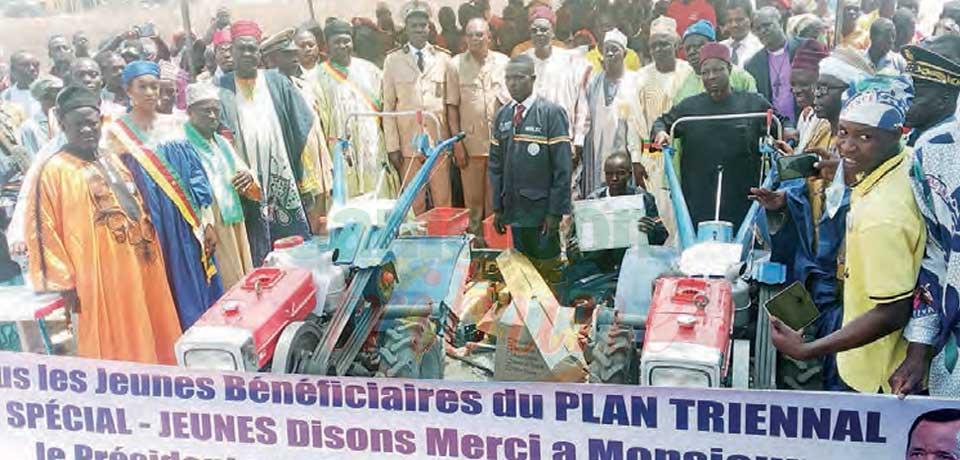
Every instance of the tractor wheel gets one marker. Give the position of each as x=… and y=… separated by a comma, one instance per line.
x=411, y=349
x=613, y=355
x=793, y=374
x=296, y=344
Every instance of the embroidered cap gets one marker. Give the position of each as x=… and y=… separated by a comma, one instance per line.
x=203, y=91
x=936, y=60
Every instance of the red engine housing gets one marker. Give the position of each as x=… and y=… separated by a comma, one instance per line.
x=264, y=302
x=697, y=311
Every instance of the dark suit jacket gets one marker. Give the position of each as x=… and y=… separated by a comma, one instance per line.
x=530, y=165
x=759, y=66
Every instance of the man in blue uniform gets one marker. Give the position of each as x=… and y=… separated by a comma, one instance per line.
x=529, y=169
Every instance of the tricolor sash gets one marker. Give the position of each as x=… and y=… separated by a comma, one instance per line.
x=339, y=73
x=164, y=176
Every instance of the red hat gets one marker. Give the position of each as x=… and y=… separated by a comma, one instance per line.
x=585, y=33
x=714, y=50
x=542, y=12
x=245, y=28
x=808, y=55
x=221, y=36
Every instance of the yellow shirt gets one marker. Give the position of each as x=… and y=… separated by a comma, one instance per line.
x=885, y=240
x=631, y=61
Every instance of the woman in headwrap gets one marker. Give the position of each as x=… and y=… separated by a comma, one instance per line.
x=169, y=175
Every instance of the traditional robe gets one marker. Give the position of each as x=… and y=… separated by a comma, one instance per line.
x=175, y=189
x=221, y=163
x=345, y=90
x=85, y=236
x=273, y=128
x=656, y=91
x=614, y=117
x=936, y=187
x=809, y=242
x=560, y=80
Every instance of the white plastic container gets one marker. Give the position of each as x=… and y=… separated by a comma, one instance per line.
x=328, y=278
x=641, y=267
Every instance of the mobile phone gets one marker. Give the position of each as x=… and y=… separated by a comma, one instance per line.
x=793, y=306
x=797, y=166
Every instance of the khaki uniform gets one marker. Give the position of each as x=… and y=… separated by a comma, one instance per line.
x=406, y=88
x=477, y=90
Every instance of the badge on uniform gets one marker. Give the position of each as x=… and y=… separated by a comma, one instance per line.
x=533, y=149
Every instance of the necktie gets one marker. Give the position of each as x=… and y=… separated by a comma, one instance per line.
x=518, y=116
x=734, y=58
x=420, y=59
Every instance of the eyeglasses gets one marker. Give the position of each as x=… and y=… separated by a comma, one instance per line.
x=539, y=30
x=821, y=89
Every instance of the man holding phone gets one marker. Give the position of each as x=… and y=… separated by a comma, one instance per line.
x=806, y=228
x=884, y=241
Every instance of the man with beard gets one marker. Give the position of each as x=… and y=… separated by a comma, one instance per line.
x=935, y=68
x=414, y=78
x=658, y=84
x=91, y=239
x=707, y=145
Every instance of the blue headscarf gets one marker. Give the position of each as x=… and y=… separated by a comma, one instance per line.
x=139, y=68
x=880, y=101
x=702, y=27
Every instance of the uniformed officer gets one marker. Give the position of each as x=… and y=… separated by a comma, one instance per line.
x=475, y=91
x=414, y=78
x=280, y=52
x=529, y=168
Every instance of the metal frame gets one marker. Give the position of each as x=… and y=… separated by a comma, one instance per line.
x=374, y=241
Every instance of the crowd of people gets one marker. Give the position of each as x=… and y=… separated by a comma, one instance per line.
x=152, y=175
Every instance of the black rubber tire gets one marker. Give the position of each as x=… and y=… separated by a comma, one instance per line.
x=613, y=355
x=793, y=374
x=411, y=349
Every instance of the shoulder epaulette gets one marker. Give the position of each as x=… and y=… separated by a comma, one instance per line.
x=442, y=49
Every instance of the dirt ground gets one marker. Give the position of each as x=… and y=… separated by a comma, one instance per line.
x=32, y=33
